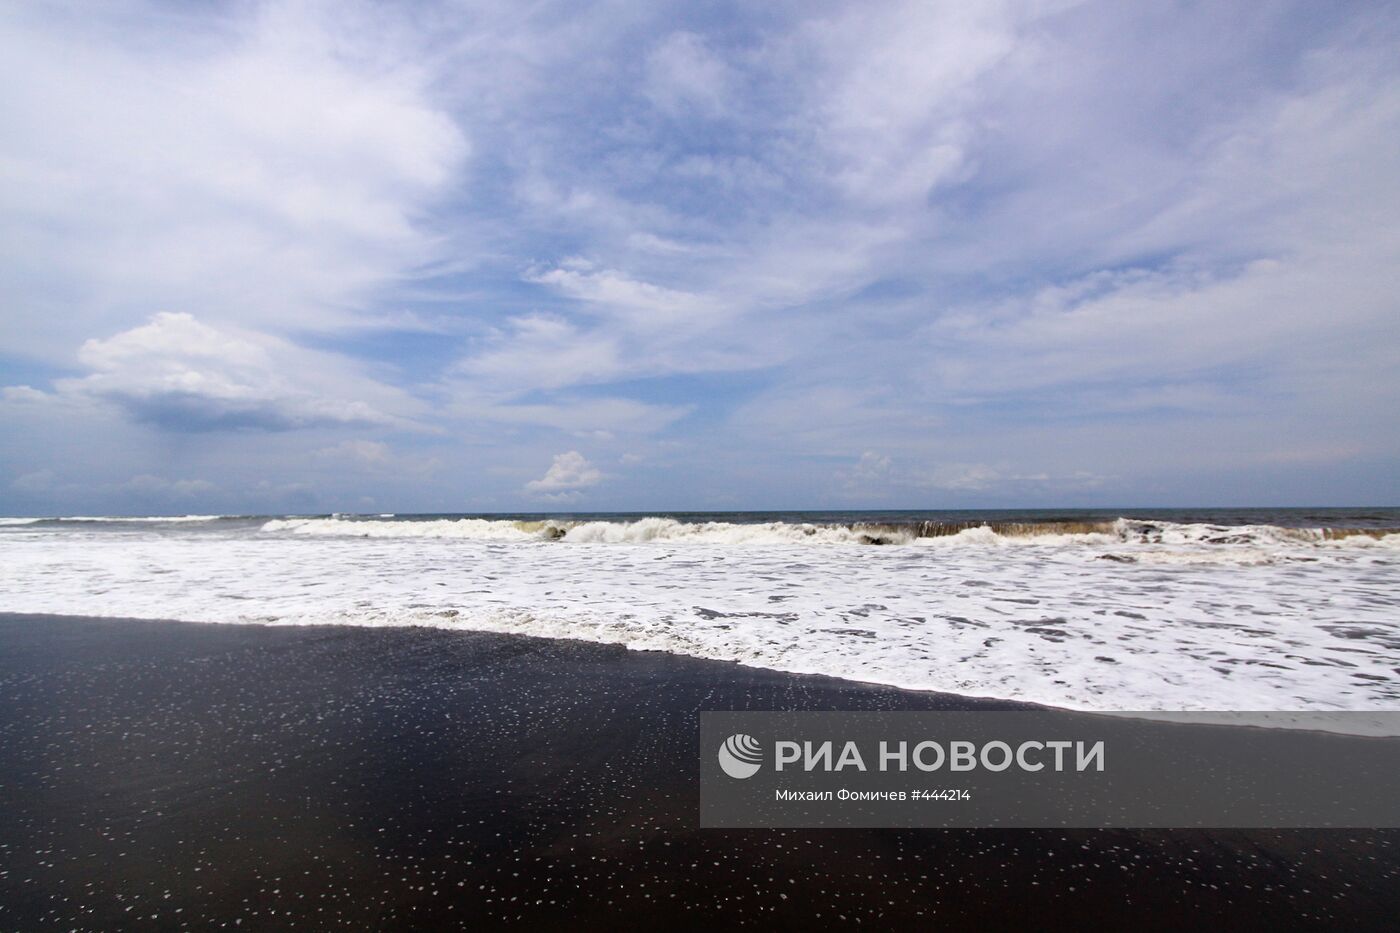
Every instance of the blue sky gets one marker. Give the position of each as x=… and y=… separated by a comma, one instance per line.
x=299, y=256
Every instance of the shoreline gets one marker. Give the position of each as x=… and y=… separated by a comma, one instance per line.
x=340, y=775
x=583, y=643
x=948, y=699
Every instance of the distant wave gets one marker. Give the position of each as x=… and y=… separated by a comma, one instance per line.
x=655, y=529
x=63, y=520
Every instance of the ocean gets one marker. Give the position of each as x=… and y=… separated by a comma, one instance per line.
x=1141, y=609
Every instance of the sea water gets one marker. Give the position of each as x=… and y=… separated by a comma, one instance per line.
x=1144, y=610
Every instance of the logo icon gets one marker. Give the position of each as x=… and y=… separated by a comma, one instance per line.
x=740, y=756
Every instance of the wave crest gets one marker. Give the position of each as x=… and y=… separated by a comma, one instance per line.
x=930, y=533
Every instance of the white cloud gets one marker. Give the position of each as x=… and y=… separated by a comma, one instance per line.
x=651, y=243
x=642, y=304
x=23, y=395
x=546, y=352
x=263, y=170
x=1286, y=276
x=538, y=352
x=570, y=473
x=180, y=374
x=893, y=90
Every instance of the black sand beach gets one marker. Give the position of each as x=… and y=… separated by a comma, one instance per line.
x=174, y=775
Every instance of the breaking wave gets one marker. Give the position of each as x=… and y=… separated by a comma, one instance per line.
x=669, y=530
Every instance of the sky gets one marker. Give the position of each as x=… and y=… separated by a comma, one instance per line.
x=269, y=257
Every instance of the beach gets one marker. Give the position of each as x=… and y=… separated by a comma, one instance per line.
x=178, y=774
x=631, y=465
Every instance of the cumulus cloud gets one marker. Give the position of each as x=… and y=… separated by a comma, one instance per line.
x=566, y=477
x=182, y=375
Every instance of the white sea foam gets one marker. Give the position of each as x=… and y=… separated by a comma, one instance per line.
x=572, y=532
x=668, y=530
x=1133, y=616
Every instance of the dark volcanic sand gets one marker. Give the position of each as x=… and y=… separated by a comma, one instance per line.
x=167, y=775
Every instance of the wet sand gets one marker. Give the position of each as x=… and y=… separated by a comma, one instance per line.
x=167, y=774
